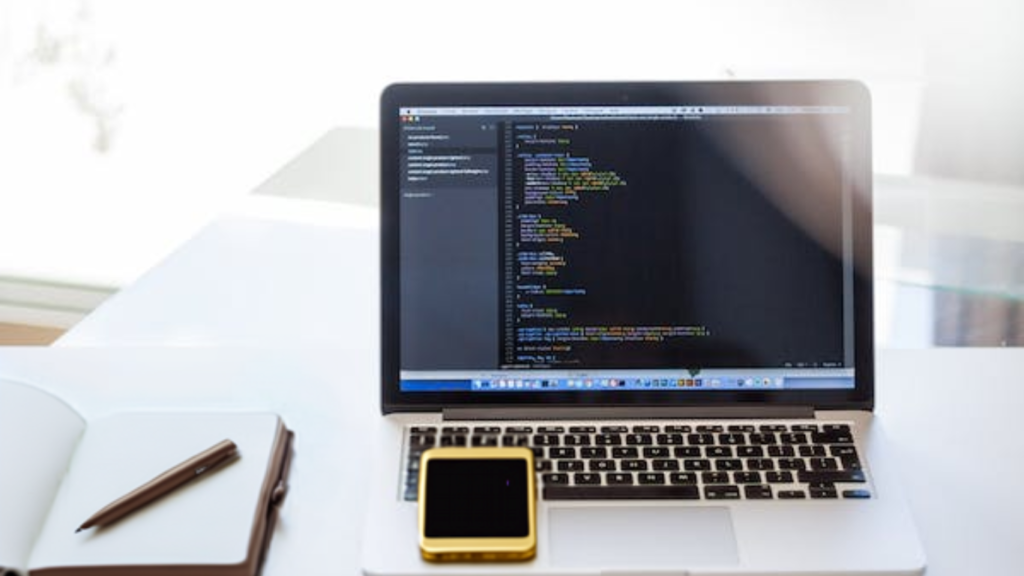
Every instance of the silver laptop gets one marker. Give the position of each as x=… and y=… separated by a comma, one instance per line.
x=664, y=290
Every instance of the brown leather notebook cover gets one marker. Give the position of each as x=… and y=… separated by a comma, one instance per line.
x=272, y=496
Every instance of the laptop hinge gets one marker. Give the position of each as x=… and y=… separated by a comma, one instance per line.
x=628, y=412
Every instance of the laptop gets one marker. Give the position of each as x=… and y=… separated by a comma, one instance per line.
x=665, y=291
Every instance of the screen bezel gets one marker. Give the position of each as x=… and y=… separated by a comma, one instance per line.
x=823, y=92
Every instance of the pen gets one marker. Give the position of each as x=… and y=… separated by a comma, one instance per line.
x=162, y=484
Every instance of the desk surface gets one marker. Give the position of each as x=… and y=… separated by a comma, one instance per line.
x=962, y=481
x=264, y=275
x=291, y=303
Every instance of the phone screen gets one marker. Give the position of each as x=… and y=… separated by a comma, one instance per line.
x=476, y=498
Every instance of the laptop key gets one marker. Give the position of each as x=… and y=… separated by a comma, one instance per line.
x=740, y=428
x=593, y=452
x=841, y=450
x=621, y=478
x=555, y=478
x=570, y=465
x=586, y=478
x=651, y=478
x=455, y=430
x=809, y=451
x=700, y=439
x=792, y=494
x=423, y=430
x=542, y=465
x=602, y=465
x=805, y=428
x=836, y=428
x=646, y=429
x=850, y=463
x=833, y=437
x=715, y=478
x=792, y=464
x=625, y=452
x=710, y=428
x=793, y=438
x=731, y=439
x=614, y=492
x=551, y=429
x=841, y=476
x=822, y=492
x=722, y=492
x=746, y=477
x=696, y=465
x=669, y=439
x=582, y=429
x=763, y=438
x=485, y=441
x=750, y=451
x=686, y=452
x=824, y=464
x=614, y=429
x=517, y=440
x=577, y=440
x=656, y=452
x=561, y=452
x=538, y=452
x=608, y=439
x=422, y=441
x=760, y=464
x=519, y=430
x=857, y=494
x=772, y=428
x=639, y=439
x=634, y=465
x=781, y=451
x=486, y=430
x=728, y=464
x=677, y=429
x=757, y=492
x=453, y=440
x=779, y=477
x=665, y=464
x=682, y=478
x=718, y=452
x=545, y=440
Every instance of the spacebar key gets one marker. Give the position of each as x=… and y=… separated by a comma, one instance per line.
x=621, y=493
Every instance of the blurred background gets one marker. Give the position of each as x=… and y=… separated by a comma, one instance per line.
x=126, y=126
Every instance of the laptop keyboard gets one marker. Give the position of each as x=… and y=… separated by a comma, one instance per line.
x=724, y=461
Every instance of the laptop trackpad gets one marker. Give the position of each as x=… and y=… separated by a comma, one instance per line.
x=671, y=537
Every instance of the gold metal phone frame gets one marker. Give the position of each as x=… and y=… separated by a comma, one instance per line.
x=479, y=549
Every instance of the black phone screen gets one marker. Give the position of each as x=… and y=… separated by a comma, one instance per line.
x=476, y=498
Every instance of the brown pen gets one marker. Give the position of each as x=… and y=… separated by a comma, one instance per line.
x=162, y=484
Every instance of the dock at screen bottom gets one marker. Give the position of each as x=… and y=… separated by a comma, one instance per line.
x=476, y=498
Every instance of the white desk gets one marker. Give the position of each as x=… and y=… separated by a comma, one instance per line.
x=963, y=483
x=265, y=274
x=291, y=304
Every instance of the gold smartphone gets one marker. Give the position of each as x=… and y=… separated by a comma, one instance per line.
x=477, y=504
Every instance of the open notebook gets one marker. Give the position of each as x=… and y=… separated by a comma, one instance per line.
x=60, y=469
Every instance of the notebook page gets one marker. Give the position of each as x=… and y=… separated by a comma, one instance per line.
x=207, y=521
x=38, y=434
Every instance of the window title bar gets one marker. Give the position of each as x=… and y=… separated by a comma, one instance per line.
x=620, y=110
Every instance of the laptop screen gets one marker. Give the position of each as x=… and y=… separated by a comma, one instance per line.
x=679, y=247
